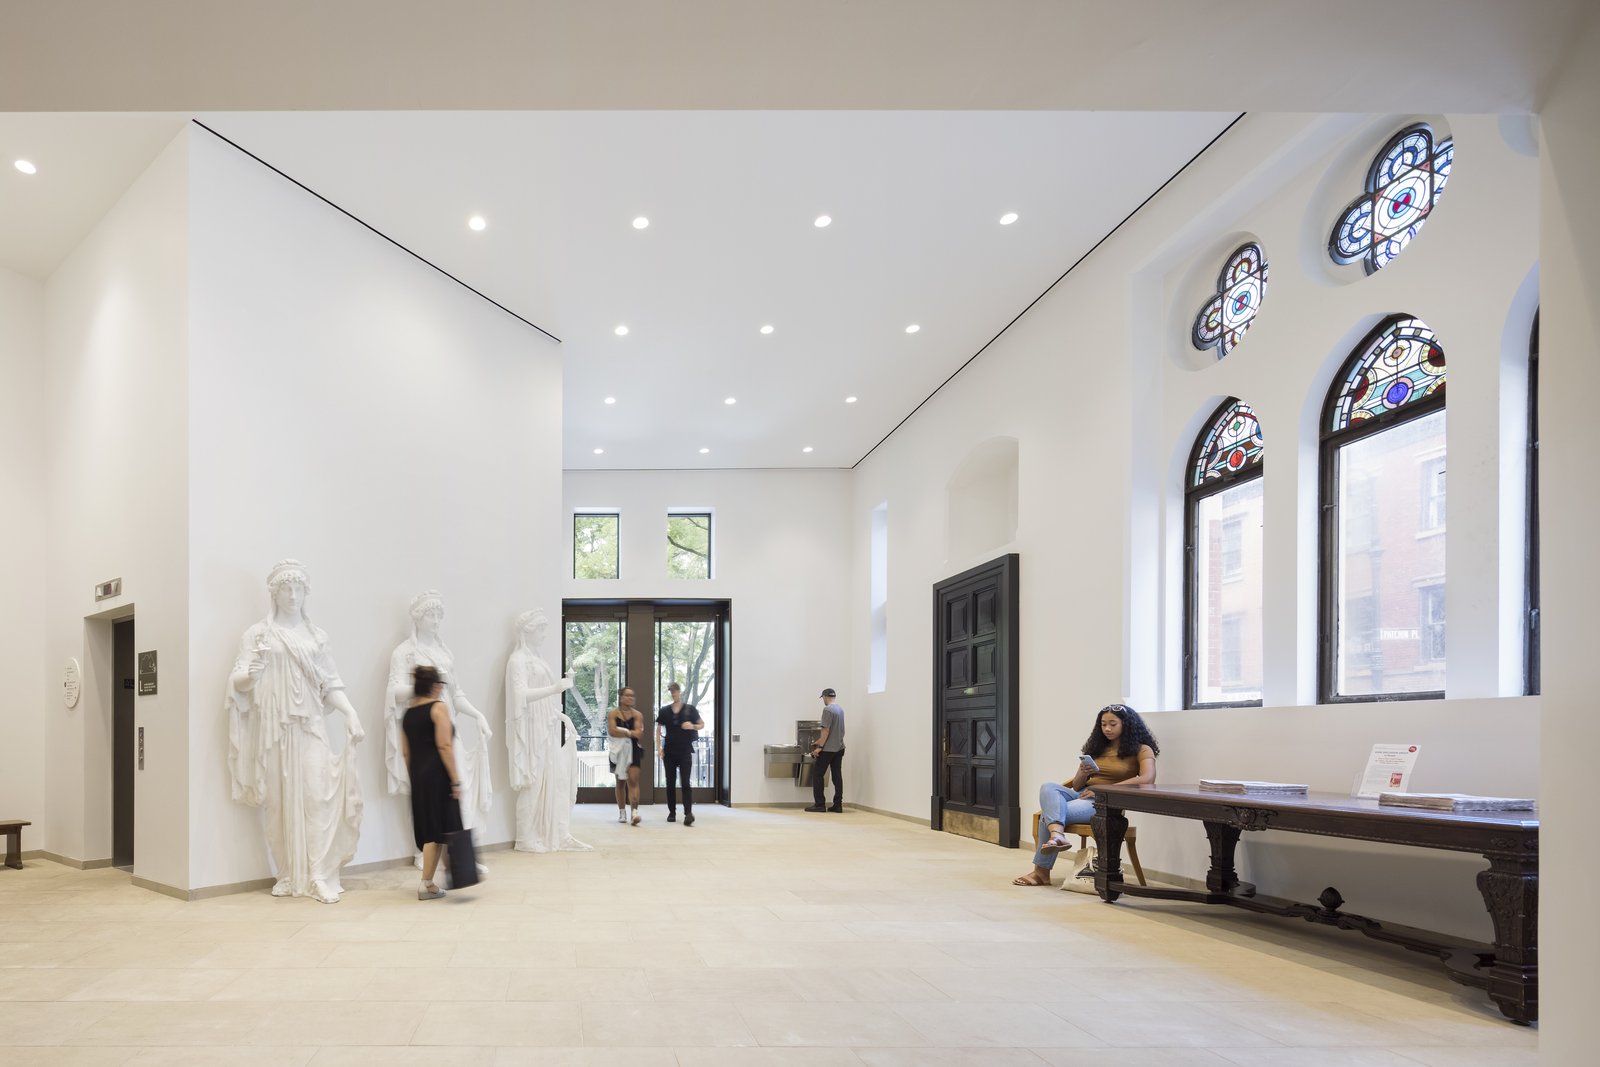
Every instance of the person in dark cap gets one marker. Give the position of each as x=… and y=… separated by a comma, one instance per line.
x=829, y=754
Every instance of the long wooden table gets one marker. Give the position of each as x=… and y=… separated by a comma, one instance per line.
x=1508, y=969
x=11, y=829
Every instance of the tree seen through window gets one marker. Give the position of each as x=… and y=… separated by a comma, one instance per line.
x=689, y=545
x=595, y=552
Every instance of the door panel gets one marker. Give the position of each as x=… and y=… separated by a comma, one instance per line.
x=124, y=753
x=975, y=703
x=687, y=652
x=595, y=649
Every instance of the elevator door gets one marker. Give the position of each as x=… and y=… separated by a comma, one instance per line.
x=123, y=731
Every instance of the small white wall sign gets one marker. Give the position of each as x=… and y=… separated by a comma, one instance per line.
x=71, y=683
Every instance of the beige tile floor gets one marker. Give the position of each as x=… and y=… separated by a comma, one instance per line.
x=758, y=937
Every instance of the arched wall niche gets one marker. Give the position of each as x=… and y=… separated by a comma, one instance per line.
x=981, y=500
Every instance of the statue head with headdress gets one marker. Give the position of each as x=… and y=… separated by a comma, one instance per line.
x=427, y=611
x=531, y=627
x=287, y=584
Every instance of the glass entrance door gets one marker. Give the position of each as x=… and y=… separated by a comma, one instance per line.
x=646, y=645
x=688, y=652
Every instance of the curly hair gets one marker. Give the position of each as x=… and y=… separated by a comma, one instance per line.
x=1134, y=733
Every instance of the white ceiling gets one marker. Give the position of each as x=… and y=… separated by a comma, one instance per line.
x=731, y=246
x=731, y=194
x=85, y=163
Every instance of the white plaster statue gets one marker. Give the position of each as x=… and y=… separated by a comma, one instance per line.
x=543, y=744
x=283, y=685
x=425, y=646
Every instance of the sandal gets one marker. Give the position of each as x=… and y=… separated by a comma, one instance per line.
x=1031, y=878
x=1057, y=842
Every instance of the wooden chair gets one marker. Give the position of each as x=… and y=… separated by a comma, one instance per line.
x=1083, y=831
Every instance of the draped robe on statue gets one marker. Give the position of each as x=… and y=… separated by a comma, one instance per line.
x=472, y=760
x=543, y=745
x=279, y=757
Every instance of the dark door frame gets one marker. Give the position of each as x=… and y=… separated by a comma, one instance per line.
x=639, y=618
x=1007, y=678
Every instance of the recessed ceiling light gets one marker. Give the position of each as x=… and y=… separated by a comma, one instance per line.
x=1008, y=218
x=640, y=223
x=913, y=328
x=730, y=400
x=806, y=449
x=822, y=220
x=611, y=400
x=766, y=329
x=849, y=400
x=599, y=451
x=477, y=222
x=703, y=451
x=25, y=167
x=621, y=331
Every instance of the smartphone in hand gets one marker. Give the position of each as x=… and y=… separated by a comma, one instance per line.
x=1088, y=762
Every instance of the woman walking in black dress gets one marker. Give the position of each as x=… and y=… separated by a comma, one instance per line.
x=427, y=737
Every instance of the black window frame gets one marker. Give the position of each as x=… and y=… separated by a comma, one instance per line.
x=711, y=533
x=1531, y=619
x=1192, y=496
x=589, y=513
x=1331, y=442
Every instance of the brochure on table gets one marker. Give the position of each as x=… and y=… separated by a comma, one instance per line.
x=1388, y=770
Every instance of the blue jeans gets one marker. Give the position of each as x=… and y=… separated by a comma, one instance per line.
x=1058, y=804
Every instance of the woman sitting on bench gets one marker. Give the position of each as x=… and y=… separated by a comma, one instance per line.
x=1124, y=751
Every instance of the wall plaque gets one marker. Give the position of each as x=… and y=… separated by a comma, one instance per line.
x=71, y=683
x=147, y=673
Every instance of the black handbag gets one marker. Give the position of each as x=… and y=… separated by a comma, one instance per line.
x=462, y=856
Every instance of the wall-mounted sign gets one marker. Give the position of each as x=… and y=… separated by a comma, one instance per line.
x=107, y=590
x=71, y=683
x=147, y=673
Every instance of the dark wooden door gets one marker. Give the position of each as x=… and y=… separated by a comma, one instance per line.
x=975, y=675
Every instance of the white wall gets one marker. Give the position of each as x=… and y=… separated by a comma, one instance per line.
x=116, y=440
x=1100, y=387
x=354, y=409
x=22, y=580
x=782, y=551
x=1569, y=441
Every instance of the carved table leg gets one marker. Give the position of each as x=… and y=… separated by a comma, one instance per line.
x=1222, y=877
x=1110, y=826
x=1510, y=889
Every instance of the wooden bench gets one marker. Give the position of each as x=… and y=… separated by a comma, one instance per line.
x=12, y=828
x=1083, y=831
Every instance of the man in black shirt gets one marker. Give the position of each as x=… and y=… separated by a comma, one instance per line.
x=679, y=724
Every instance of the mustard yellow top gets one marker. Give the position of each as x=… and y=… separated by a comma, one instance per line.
x=1114, y=768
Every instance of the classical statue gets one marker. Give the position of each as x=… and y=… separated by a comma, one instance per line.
x=425, y=646
x=283, y=685
x=543, y=744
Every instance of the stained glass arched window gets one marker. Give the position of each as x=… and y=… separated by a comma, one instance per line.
x=1223, y=501
x=1241, y=286
x=1383, y=512
x=1403, y=186
x=1401, y=364
x=1231, y=444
